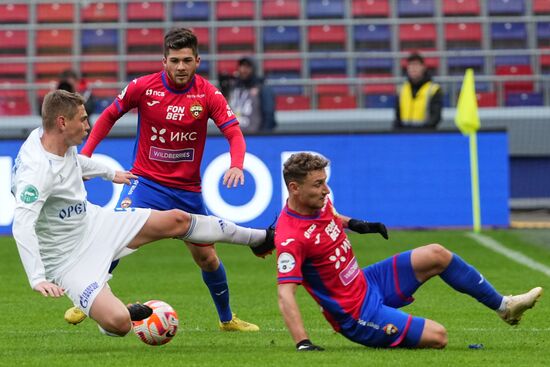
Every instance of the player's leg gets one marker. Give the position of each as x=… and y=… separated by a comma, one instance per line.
x=434, y=335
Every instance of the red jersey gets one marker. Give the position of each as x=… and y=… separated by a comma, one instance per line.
x=172, y=127
x=314, y=251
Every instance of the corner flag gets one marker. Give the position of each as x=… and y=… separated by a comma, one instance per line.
x=467, y=120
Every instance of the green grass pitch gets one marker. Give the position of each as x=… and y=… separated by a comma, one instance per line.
x=35, y=334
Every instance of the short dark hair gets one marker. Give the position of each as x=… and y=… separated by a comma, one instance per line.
x=246, y=61
x=178, y=38
x=415, y=56
x=59, y=103
x=298, y=165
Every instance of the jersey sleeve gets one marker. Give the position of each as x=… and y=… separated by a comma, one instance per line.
x=92, y=168
x=31, y=189
x=219, y=110
x=290, y=256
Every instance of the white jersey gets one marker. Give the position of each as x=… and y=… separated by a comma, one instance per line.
x=52, y=215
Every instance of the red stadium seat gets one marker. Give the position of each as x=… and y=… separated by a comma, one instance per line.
x=144, y=40
x=49, y=71
x=13, y=43
x=203, y=36
x=14, y=13
x=486, y=99
x=417, y=36
x=93, y=70
x=545, y=62
x=541, y=7
x=370, y=8
x=461, y=7
x=327, y=37
x=518, y=70
x=54, y=13
x=337, y=102
x=227, y=66
x=140, y=68
x=15, y=105
x=241, y=39
x=291, y=103
x=13, y=72
x=378, y=88
x=99, y=12
x=235, y=9
x=463, y=35
x=145, y=11
x=331, y=89
x=281, y=9
x=291, y=64
x=54, y=42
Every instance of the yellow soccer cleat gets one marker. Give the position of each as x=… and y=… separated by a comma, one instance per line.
x=74, y=315
x=236, y=324
x=517, y=305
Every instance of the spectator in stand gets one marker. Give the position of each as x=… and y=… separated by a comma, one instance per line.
x=419, y=99
x=252, y=101
x=69, y=81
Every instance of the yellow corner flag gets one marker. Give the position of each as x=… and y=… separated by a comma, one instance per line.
x=467, y=118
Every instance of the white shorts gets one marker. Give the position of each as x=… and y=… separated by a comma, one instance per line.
x=112, y=232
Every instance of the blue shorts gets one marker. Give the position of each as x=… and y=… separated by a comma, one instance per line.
x=391, y=284
x=144, y=193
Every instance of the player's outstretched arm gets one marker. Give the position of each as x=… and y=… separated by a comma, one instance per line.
x=362, y=226
x=232, y=177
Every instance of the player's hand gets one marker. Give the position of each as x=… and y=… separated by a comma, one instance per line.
x=123, y=177
x=232, y=177
x=306, y=345
x=361, y=226
x=49, y=289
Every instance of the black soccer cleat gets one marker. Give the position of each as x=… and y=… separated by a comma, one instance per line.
x=267, y=247
x=139, y=311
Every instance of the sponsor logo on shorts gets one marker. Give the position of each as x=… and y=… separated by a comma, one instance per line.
x=29, y=194
x=170, y=155
x=285, y=263
x=349, y=272
x=390, y=329
x=369, y=324
x=85, y=296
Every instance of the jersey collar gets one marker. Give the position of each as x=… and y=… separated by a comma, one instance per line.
x=296, y=215
x=168, y=84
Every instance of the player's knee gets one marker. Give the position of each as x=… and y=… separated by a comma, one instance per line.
x=207, y=261
x=439, y=255
x=118, y=323
x=182, y=220
x=433, y=336
x=440, y=338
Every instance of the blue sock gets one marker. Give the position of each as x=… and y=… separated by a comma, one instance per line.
x=466, y=279
x=216, y=281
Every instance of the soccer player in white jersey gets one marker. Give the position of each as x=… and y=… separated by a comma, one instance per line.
x=67, y=244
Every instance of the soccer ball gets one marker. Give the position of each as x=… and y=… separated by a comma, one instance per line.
x=160, y=327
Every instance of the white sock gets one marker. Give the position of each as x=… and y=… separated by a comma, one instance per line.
x=502, y=306
x=210, y=229
x=108, y=333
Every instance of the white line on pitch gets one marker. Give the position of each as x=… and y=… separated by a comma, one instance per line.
x=516, y=256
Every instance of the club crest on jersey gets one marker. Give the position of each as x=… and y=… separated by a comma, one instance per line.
x=29, y=194
x=390, y=329
x=196, y=109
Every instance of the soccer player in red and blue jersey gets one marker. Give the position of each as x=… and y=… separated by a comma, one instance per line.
x=173, y=107
x=363, y=303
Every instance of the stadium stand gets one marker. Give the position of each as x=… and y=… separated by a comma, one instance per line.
x=506, y=7
x=145, y=11
x=325, y=9
x=370, y=8
x=55, y=12
x=12, y=13
x=190, y=10
x=236, y=10
x=461, y=7
x=144, y=41
x=281, y=9
x=415, y=8
x=99, y=12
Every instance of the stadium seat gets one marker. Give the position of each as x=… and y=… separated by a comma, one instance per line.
x=98, y=12
x=543, y=34
x=203, y=36
x=370, y=37
x=330, y=88
x=515, y=70
x=458, y=64
x=506, y=7
x=327, y=37
x=13, y=72
x=327, y=66
x=290, y=89
x=14, y=104
x=54, y=42
x=541, y=7
x=415, y=8
x=235, y=9
x=284, y=65
x=13, y=43
x=49, y=71
x=144, y=40
x=380, y=100
x=54, y=12
x=486, y=99
x=291, y=103
x=145, y=11
x=524, y=99
x=374, y=65
x=190, y=10
x=99, y=41
x=380, y=88
x=463, y=35
x=227, y=66
x=99, y=70
x=281, y=38
x=204, y=68
x=370, y=9
x=14, y=13
x=281, y=9
x=135, y=69
x=241, y=39
x=461, y=7
x=508, y=35
x=417, y=36
x=316, y=9
x=338, y=102
x=544, y=61
x=512, y=60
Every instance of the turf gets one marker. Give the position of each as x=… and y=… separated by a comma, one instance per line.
x=35, y=333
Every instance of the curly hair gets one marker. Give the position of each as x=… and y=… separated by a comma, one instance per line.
x=178, y=38
x=298, y=165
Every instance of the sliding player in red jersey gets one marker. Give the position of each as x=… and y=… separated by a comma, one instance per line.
x=173, y=107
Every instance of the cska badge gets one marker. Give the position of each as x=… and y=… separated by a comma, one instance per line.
x=196, y=109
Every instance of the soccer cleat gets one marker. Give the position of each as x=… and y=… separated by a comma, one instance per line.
x=266, y=247
x=517, y=305
x=236, y=324
x=74, y=315
x=139, y=311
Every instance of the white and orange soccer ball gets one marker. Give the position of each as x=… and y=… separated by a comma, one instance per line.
x=160, y=327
